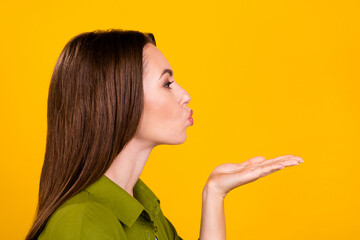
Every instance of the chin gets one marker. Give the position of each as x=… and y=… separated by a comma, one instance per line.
x=175, y=141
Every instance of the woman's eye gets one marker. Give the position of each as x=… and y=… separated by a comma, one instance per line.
x=167, y=85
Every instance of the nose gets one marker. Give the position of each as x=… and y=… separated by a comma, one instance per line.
x=185, y=98
x=182, y=95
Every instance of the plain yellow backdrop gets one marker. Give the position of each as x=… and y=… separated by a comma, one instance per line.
x=266, y=78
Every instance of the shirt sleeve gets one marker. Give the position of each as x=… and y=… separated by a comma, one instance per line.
x=86, y=221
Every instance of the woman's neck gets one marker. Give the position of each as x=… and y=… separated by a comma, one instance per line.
x=128, y=165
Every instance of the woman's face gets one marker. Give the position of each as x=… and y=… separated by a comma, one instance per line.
x=165, y=115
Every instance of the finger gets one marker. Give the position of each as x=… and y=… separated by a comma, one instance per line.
x=257, y=159
x=278, y=166
x=286, y=162
x=267, y=169
x=284, y=158
x=272, y=171
x=290, y=162
x=273, y=166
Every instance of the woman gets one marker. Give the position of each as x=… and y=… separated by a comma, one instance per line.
x=112, y=99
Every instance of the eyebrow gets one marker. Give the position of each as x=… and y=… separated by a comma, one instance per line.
x=169, y=71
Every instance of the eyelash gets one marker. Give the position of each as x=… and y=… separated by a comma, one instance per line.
x=168, y=84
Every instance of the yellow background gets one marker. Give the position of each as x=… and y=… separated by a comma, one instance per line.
x=267, y=78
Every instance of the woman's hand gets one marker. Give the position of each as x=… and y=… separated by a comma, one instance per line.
x=228, y=176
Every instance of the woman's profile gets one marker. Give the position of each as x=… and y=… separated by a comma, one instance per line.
x=112, y=99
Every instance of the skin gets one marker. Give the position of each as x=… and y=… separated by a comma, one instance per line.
x=228, y=176
x=164, y=121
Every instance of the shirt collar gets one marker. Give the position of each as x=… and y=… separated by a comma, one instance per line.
x=125, y=207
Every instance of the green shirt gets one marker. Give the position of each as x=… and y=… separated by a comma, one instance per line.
x=104, y=210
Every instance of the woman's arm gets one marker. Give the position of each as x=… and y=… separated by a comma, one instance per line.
x=226, y=177
x=212, y=216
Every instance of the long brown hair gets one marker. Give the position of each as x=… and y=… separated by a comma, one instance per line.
x=95, y=102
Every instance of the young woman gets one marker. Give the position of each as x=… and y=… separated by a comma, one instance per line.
x=112, y=99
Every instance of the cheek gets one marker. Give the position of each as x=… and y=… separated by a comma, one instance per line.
x=162, y=120
x=161, y=110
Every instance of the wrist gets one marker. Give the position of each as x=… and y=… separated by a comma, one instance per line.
x=210, y=191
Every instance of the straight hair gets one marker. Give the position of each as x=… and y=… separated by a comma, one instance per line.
x=95, y=102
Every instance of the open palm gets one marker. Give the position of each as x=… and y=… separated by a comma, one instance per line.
x=228, y=176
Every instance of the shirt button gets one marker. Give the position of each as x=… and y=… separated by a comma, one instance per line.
x=155, y=228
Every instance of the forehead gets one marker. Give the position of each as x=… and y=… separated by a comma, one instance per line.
x=154, y=61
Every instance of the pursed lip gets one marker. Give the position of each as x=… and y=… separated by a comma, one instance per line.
x=191, y=113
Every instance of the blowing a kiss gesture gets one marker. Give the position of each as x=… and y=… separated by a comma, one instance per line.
x=226, y=177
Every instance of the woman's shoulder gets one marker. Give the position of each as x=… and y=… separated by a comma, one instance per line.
x=82, y=217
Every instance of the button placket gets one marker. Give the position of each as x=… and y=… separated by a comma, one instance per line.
x=151, y=227
x=147, y=229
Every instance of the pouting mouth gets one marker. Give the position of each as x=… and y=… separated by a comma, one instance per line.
x=191, y=113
